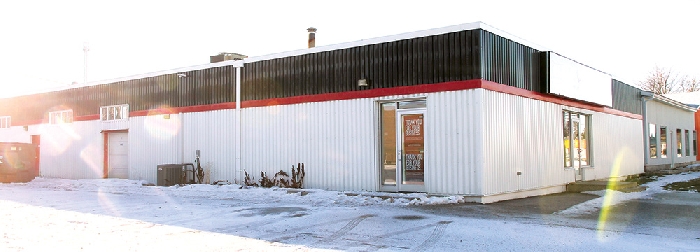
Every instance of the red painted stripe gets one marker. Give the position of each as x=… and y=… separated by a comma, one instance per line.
x=24, y=123
x=379, y=92
x=86, y=118
x=370, y=93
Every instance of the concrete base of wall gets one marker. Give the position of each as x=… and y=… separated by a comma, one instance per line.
x=515, y=195
x=597, y=185
x=655, y=168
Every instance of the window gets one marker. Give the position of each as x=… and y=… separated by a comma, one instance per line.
x=664, y=143
x=576, y=139
x=115, y=112
x=652, y=140
x=695, y=143
x=679, y=142
x=63, y=116
x=5, y=122
x=687, y=143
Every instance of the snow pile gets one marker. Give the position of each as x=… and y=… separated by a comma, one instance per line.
x=254, y=195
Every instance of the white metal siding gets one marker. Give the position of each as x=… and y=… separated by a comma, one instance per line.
x=115, y=124
x=72, y=150
x=153, y=140
x=336, y=141
x=213, y=133
x=521, y=135
x=453, y=156
x=672, y=118
x=617, y=147
x=15, y=134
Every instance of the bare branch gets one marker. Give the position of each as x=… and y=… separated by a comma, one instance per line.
x=664, y=81
x=690, y=84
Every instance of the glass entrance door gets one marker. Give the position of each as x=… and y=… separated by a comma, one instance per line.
x=411, y=150
x=403, y=147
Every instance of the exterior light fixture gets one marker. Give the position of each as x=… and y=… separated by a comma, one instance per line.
x=181, y=75
x=363, y=82
x=166, y=116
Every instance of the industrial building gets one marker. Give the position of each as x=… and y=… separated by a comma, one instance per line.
x=461, y=110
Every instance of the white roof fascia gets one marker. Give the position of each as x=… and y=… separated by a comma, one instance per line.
x=674, y=103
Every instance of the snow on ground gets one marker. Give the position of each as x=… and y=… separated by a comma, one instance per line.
x=234, y=191
x=612, y=197
x=123, y=215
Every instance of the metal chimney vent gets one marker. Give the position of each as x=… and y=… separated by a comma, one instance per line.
x=312, y=37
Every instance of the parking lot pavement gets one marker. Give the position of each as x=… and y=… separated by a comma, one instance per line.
x=658, y=214
x=527, y=207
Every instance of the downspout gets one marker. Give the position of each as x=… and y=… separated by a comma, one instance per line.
x=182, y=137
x=238, y=124
x=646, y=96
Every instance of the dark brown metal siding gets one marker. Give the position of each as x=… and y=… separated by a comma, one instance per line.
x=463, y=55
x=507, y=62
x=626, y=98
x=200, y=87
x=425, y=60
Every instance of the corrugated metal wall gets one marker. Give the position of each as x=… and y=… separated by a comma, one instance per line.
x=525, y=135
x=617, y=146
x=453, y=156
x=521, y=135
x=423, y=60
x=71, y=150
x=154, y=140
x=335, y=140
x=510, y=63
x=212, y=133
x=200, y=87
x=626, y=98
x=463, y=55
x=663, y=115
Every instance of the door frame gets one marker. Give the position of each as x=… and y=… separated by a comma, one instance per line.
x=36, y=141
x=397, y=126
x=401, y=153
x=105, y=154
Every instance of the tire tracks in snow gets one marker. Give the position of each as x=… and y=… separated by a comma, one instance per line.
x=344, y=230
x=438, y=232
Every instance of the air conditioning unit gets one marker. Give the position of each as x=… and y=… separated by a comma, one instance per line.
x=169, y=174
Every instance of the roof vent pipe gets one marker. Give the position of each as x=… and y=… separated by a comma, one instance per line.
x=312, y=37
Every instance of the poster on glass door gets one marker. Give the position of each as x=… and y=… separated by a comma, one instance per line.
x=413, y=140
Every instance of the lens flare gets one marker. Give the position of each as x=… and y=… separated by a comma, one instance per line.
x=106, y=203
x=609, y=197
x=162, y=124
x=91, y=155
x=59, y=137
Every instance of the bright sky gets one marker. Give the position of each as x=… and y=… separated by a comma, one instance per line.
x=42, y=41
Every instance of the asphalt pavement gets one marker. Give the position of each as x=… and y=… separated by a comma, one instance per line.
x=662, y=212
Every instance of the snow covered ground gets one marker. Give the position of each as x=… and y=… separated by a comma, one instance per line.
x=124, y=215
